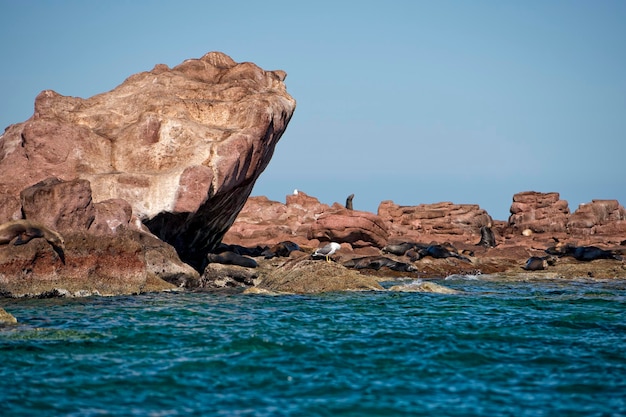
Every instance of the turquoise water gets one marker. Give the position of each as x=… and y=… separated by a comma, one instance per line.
x=502, y=349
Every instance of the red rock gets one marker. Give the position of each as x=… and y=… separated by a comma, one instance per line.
x=538, y=212
x=358, y=228
x=600, y=217
x=437, y=222
x=110, y=215
x=60, y=205
x=266, y=222
x=184, y=146
x=104, y=265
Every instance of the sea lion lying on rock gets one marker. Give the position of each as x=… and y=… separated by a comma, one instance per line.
x=231, y=258
x=23, y=231
x=439, y=252
x=241, y=250
x=536, y=263
x=282, y=249
x=377, y=262
x=400, y=249
x=583, y=253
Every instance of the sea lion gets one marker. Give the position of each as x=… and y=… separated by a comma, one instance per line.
x=23, y=231
x=282, y=249
x=400, y=249
x=582, y=253
x=590, y=253
x=377, y=262
x=439, y=252
x=349, y=201
x=536, y=263
x=231, y=258
x=487, y=238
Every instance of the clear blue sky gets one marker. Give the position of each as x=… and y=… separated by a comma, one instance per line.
x=410, y=101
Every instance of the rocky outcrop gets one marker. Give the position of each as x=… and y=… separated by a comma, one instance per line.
x=538, y=212
x=434, y=222
x=305, y=221
x=358, y=228
x=113, y=258
x=545, y=215
x=304, y=276
x=600, y=217
x=183, y=146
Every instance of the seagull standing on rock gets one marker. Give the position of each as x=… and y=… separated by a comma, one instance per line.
x=327, y=250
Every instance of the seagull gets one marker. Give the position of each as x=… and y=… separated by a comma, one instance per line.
x=327, y=250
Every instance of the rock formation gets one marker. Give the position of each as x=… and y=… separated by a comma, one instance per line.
x=434, y=222
x=600, y=217
x=105, y=252
x=538, y=212
x=305, y=221
x=183, y=146
x=303, y=275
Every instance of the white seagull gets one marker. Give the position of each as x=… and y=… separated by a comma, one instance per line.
x=327, y=250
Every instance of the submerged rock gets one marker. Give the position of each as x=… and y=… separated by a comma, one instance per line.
x=424, y=286
x=6, y=318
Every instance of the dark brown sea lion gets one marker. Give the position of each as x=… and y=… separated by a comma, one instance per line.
x=23, y=231
x=487, y=238
x=282, y=249
x=231, y=258
x=583, y=253
x=349, y=201
x=439, y=251
x=400, y=249
x=377, y=262
x=536, y=263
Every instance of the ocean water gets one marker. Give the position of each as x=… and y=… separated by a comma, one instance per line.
x=503, y=348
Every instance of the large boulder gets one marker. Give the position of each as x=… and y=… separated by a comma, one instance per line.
x=538, y=212
x=183, y=146
x=114, y=257
x=358, y=228
x=306, y=276
x=434, y=222
x=600, y=217
x=266, y=222
x=305, y=221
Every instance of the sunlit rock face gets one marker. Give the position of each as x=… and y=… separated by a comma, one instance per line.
x=184, y=146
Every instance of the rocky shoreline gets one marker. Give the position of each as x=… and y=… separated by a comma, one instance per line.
x=97, y=201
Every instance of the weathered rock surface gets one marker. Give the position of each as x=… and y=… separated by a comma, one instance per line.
x=266, y=222
x=101, y=265
x=183, y=146
x=539, y=212
x=358, y=228
x=600, y=217
x=111, y=259
x=305, y=276
x=434, y=222
x=528, y=233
